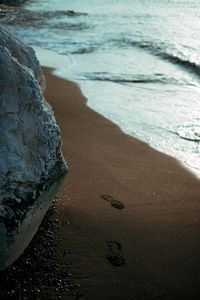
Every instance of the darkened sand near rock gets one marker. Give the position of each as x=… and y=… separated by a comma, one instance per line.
x=128, y=218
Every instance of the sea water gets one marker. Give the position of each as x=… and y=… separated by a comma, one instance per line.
x=137, y=62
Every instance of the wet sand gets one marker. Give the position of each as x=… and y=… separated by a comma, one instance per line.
x=127, y=220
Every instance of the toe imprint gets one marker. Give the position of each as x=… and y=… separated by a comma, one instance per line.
x=113, y=202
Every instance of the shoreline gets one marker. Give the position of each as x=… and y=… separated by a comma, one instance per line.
x=126, y=222
x=59, y=64
x=132, y=211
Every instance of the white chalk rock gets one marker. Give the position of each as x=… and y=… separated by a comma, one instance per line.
x=31, y=163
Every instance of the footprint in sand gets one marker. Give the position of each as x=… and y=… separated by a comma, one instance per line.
x=113, y=202
x=114, y=257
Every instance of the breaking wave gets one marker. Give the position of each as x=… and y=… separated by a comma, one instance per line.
x=159, y=49
x=128, y=79
x=190, y=133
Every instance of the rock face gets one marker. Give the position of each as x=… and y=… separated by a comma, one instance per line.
x=31, y=163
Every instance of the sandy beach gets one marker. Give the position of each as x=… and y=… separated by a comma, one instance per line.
x=127, y=220
x=133, y=212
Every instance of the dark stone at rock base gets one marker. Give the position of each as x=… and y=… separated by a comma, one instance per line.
x=16, y=237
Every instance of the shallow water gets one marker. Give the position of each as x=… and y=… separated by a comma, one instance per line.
x=137, y=61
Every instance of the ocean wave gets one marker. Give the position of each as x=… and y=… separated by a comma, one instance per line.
x=130, y=79
x=190, y=133
x=68, y=26
x=159, y=49
x=84, y=50
x=183, y=62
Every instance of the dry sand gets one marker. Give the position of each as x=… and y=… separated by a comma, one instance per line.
x=128, y=216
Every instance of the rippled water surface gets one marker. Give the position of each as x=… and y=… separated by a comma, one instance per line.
x=137, y=61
